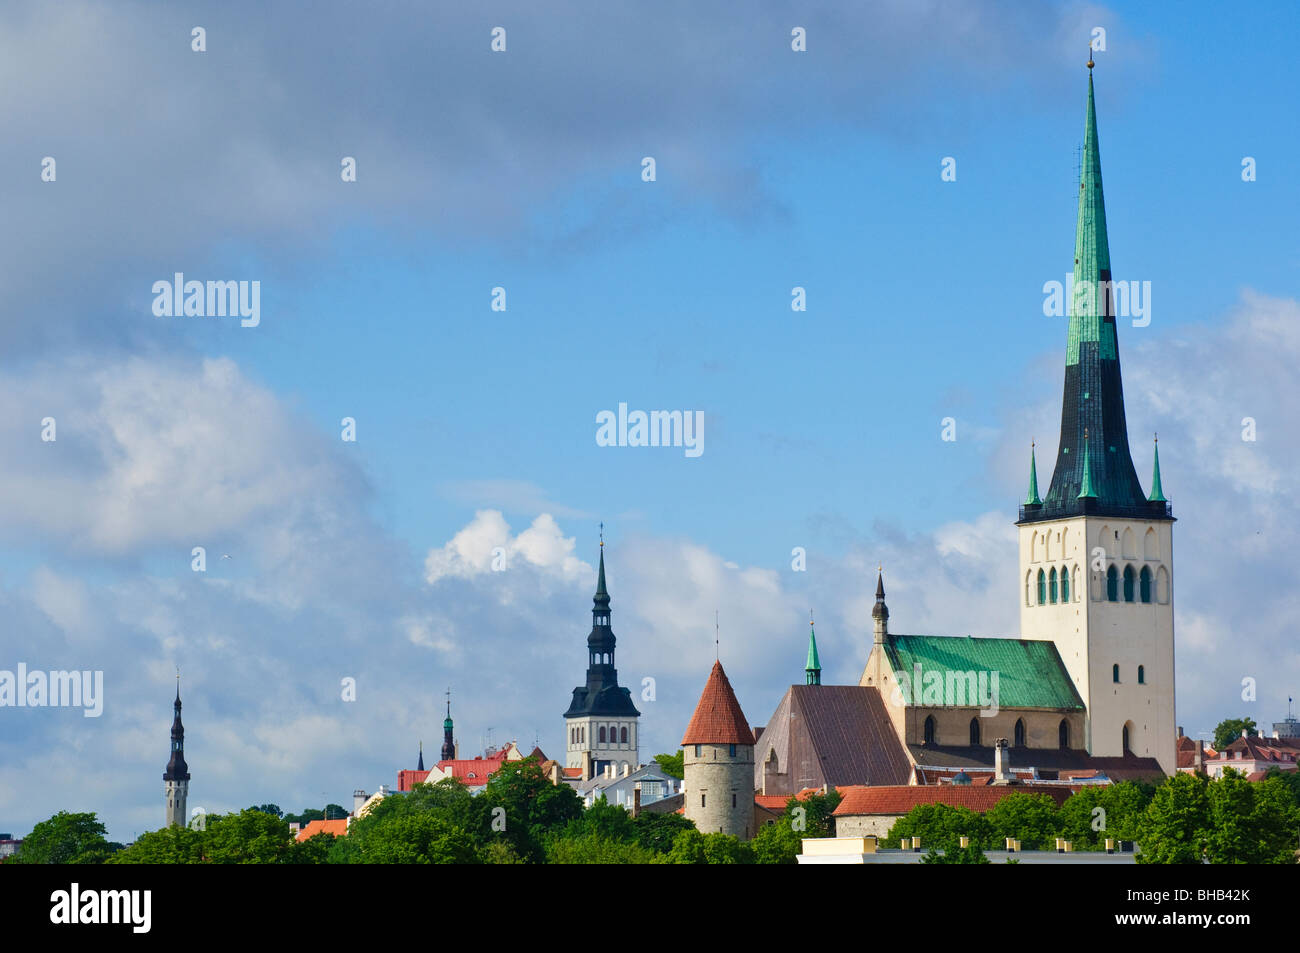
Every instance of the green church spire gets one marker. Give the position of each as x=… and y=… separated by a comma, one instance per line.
x=1085, y=491
x=813, y=668
x=1033, y=499
x=1157, y=492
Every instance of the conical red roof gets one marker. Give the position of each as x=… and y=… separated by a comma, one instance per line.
x=718, y=719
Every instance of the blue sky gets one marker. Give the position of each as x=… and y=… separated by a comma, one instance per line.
x=522, y=170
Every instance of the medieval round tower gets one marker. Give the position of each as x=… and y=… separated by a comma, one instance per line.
x=718, y=757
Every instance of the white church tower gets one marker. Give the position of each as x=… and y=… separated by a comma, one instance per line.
x=177, y=776
x=1096, y=553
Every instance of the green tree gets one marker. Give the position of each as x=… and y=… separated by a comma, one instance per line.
x=268, y=809
x=777, y=843
x=606, y=821
x=1230, y=729
x=940, y=826
x=955, y=855
x=592, y=848
x=313, y=850
x=1029, y=817
x=692, y=847
x=170, y=845
x=1250, y=823
x=1122, y=807
x=672, y=764
x=1291, y=779
x=530, y=807
x=249, y=837
x=1172, y=829
x=412, y=838
x=656, y=831
x=65, y=839
x=816, y=813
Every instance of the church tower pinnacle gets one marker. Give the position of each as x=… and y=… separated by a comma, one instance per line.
x=1096, y=552
x=601, y=721
x=813, y=667
x=177, y=775
x=448, y=743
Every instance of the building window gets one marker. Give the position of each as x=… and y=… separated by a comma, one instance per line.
x=1129, y=578
x=929, y=730
x=622, y=734
x=1042, y=587
x=1020, y=732
x=1142, y=675
x=1051, y=586
x=1144, y=584
x=733, y=798
x=731, y=750
x=697, y=751
x=1114, y=673
x=975, y=732
x=1112, y=584
x=1125, y=740
x=1063, y=734
x=702, y=796
x=1065, y=584
x=602, y=734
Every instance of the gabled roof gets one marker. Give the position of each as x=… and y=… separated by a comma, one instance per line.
x=718, y=718
x=1030, y=672
x=338, y=828
x=899, y=799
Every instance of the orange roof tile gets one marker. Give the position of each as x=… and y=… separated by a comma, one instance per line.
x=899, y=799
x=337, y=828
x=718, y=718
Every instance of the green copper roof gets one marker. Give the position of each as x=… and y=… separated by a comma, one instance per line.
x=1030, y=673
x=1091, y=253
x=813, y=668
x=1085, y=491
x=1032, y=499
x=1157, y=492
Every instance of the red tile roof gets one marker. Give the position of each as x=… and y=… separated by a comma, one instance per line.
x=773, y=802
x=718, y=719
x=337, y=828
x=899, y=799
x=573, y=772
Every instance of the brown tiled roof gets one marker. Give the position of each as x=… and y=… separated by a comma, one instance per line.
x=901, y=798
x=1128, y=768
x=832, y=734
x=718, y=719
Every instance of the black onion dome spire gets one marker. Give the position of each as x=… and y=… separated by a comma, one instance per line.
x=177, y=769
x=602, y=694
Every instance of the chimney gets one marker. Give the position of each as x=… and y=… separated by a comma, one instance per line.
x=358, y=799
x=1002, y=763
x=1198, y=760
x=626, y=770
x=586, y=766
x=636, y=799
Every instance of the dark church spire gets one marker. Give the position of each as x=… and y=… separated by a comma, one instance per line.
x=1094, y=476
x=602, y=694
x=448, y=744
x=177, y=769
x=420, y=764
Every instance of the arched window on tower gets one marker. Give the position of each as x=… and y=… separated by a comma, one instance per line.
x=622, y=735
x=1063, y=734
x=1142, y=675
x=1144, y=584
x=1020, y=733
x=1129, y=578
x=1042, y=587
x=975, y=732
x=929, y=729
x=1112, y=584
x=1065, y=583
x=1114, y=673
x=1051, y=586
x=602, y=734
x=1125, y=740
